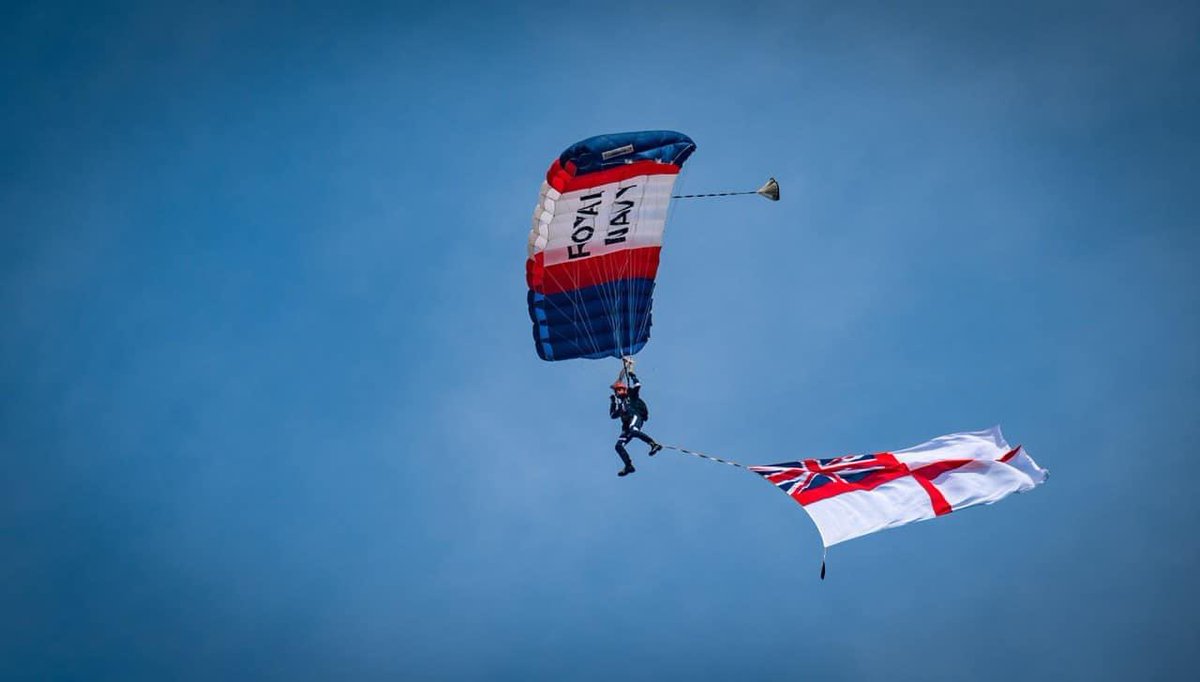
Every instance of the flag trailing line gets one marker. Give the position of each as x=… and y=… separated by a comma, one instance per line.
x=702, y=455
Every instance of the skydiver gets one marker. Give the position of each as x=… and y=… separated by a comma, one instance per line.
x=626, y=404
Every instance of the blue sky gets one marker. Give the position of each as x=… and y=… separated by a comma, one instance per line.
x=271, y=408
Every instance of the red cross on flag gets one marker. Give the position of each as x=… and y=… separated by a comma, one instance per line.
x=858, y=494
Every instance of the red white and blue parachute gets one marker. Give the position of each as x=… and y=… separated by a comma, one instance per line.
x=595, y=243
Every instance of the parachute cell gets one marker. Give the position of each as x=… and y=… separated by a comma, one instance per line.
x=595, y=242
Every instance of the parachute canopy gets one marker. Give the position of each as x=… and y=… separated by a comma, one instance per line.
x=594, y=247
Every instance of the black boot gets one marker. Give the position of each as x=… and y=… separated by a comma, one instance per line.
x=654, y=449
x=624, y=455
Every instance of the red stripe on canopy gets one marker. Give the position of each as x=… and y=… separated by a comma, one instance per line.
x=564, y=179
x=640, y=263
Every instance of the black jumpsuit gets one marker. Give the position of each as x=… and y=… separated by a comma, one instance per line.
x=632, y=412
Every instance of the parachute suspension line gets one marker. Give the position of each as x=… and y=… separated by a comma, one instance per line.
x=622, y=314
x=615, y=295
x=641, y=288
x=648, y=289
x=575, y=307
x=619, y=294
x=607, y=297
x=587, y=327
x=645, y=288
x=621, y=297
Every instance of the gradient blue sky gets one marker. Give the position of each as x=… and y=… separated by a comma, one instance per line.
x=270, y=406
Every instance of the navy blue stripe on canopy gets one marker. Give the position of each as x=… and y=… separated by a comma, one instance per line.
x=666, y=146
x=607, y=320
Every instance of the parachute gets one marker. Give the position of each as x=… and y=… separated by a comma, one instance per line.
x=595, y=242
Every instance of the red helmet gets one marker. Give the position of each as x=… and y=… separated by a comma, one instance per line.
x=619, y=387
